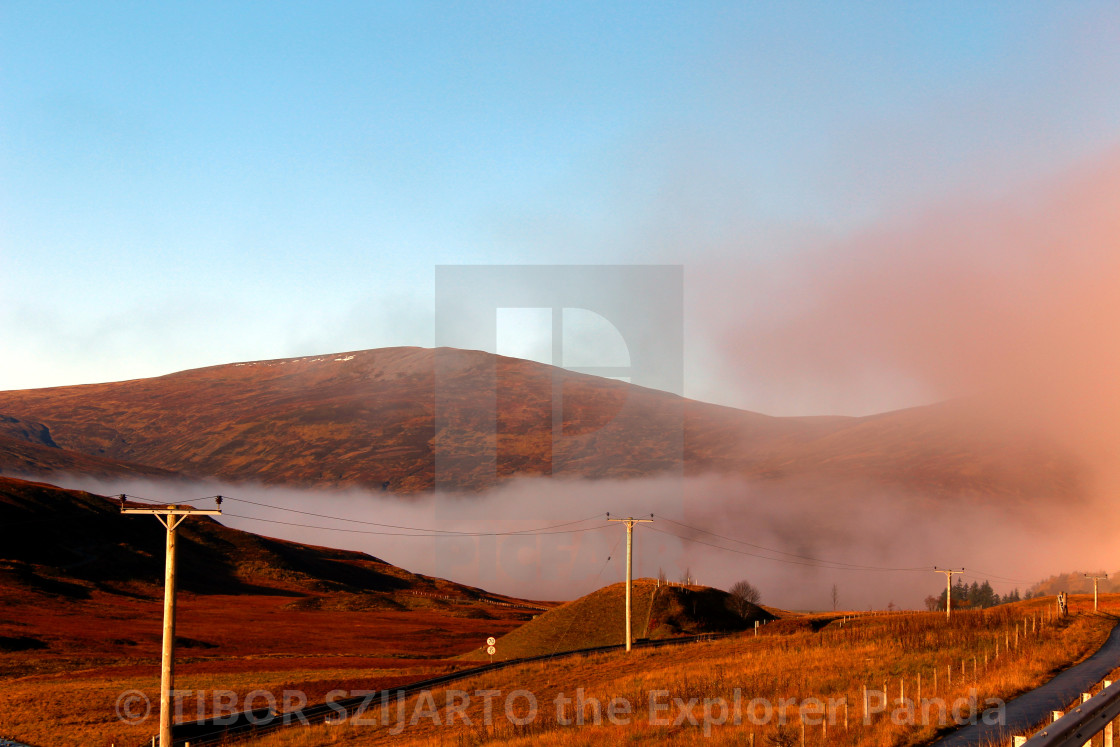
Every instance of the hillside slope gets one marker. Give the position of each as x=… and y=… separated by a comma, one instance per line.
x=369, y=419
x=70, y=545
x=22, y=457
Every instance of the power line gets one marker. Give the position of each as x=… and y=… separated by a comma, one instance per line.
x=987, y=576
x=572, y=618
x=431, y=532
x=397, y=526
x=164, y=503
x=443, y=535
x=803, y=560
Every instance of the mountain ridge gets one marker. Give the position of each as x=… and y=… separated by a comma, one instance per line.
x=375, y=419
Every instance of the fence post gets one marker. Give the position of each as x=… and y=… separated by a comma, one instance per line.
x=1085, y=699
x=1108, y=726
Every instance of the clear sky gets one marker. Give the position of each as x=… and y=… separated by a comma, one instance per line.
x=186, y=184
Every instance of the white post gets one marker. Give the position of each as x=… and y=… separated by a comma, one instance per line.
x=1085, y=699
x=1107, y=739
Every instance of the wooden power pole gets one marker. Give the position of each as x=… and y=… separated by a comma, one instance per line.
x=948, y=589
x=1095, y=580
x=171, y=517
x=630, y=522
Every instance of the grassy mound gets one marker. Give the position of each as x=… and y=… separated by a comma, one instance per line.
x=598, y=619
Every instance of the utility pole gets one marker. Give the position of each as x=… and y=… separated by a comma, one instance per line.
x=1095, y=579
x=948, y=589
x=171, y=516
x=630, y=522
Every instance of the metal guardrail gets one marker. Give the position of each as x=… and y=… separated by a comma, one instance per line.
x=1077, y=727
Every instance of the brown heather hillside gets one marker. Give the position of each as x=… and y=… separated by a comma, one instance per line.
x=367, y=419
x=71, y=545
x=21, y=457
x=81, y=612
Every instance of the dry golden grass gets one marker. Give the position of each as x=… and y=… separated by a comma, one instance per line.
x=79, y=710
x=785, y=662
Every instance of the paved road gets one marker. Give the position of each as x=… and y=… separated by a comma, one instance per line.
x=1029, y=709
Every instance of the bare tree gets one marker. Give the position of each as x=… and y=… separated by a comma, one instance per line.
x=744, y=596
x=835, y=597
x=661, y=578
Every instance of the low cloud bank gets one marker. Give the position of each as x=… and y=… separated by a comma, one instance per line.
x=792, y=540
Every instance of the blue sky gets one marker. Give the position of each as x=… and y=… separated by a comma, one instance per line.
x=186, y=184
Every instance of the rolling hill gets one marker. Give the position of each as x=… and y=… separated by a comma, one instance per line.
x=597, y=619
x=369, y=419
x=71, y=545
